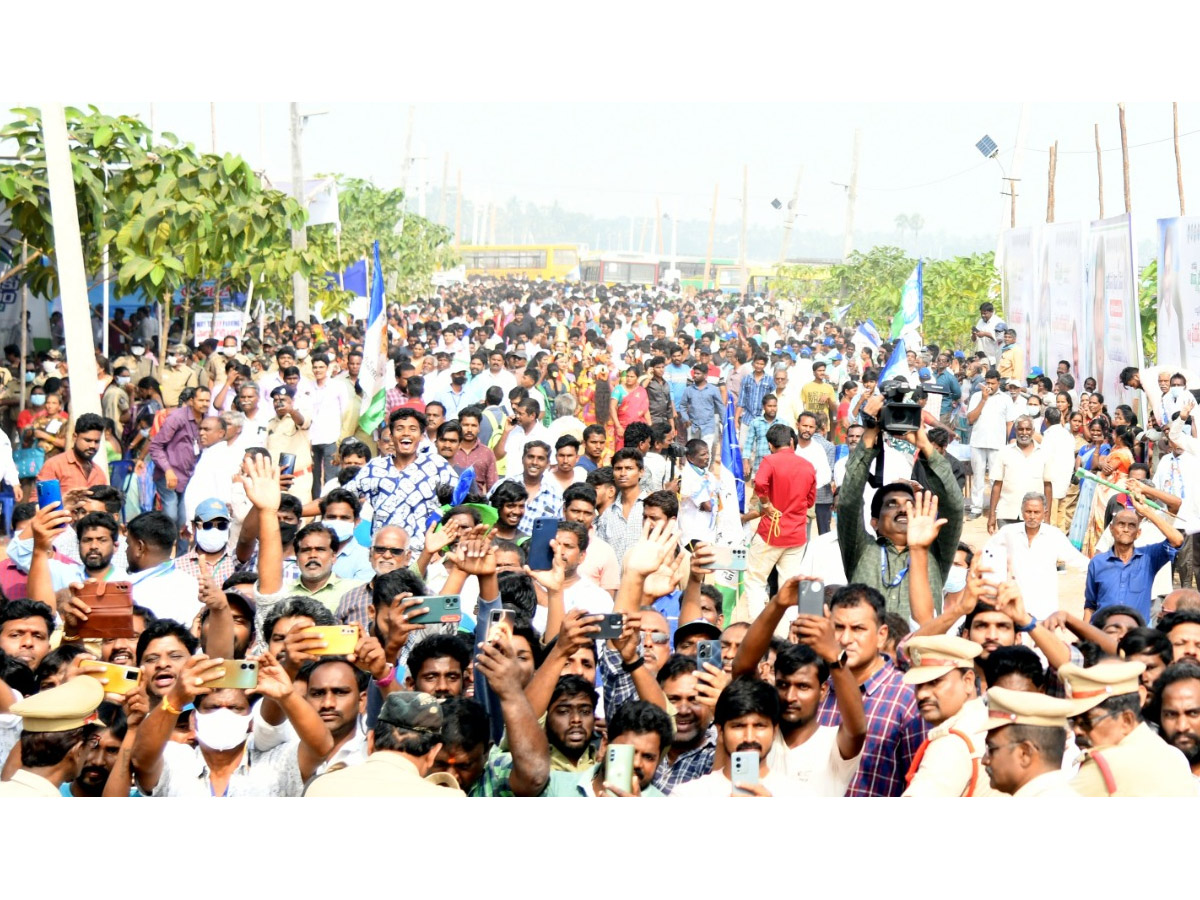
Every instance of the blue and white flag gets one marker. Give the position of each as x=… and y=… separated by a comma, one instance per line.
x=869, y=333
x=731, y=453
x=897, y=364
x=375, y=356
x=911, y=315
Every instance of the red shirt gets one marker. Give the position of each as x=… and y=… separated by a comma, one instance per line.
x=790, y=483
x=66, y=468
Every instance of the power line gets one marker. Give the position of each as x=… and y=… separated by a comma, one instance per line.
x=1115, y=149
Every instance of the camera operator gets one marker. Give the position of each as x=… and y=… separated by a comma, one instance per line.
x=883, y=562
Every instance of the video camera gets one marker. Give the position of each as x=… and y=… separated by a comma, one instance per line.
x=900, y=415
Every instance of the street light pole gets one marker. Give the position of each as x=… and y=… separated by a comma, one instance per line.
x=299, y=235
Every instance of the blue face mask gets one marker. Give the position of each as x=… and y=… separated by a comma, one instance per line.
x=29, y=377
x=956, y=580
x=343, y=529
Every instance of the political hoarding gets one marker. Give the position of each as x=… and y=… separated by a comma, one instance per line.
x=1113, y=328
x=1179, y=292
x=1059, y=331
x=1018, y=287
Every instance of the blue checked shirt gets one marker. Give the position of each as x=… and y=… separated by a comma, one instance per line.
x=895, y=731
x=751, y=396
x=689, y=766
x=757, y=449
x=403, y=497
x=546, y=503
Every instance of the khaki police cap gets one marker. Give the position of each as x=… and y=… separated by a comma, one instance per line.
x=66, y=707
x=412, y=710
x=1009, y=707
x=1090, y=687
x=933, y=657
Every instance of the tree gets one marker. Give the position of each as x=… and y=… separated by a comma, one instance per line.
x=915, y=223
x=902, y=225
x=1148, y=308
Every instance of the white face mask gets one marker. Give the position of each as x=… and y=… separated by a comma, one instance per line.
x=138, y=351
x=301, y=352
x=343, y=529
x=171, y=360
x=221, y=729
x=210, y=540
x=49, y=367
x=956, y=580
x=229, y=351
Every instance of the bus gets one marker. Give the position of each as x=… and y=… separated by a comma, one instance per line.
x=690, y=271
x=621, y=268
x=551, y=262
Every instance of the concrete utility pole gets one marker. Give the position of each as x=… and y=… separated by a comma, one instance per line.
x=790, y=218
x=712, y=228
x=299, y=235
x=852, y=196
x=68, y=251
x=405, y=167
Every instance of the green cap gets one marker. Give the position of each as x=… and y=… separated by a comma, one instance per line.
x=413, y=711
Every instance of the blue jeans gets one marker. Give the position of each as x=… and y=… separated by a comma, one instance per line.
x=172, y=505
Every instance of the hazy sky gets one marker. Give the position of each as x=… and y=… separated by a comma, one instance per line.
x=614, y=159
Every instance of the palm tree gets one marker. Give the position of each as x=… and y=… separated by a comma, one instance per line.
x=916, y=223
x=902, y=225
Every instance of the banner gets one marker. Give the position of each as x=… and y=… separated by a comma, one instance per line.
x=1179, y=292
x=909, y=317
x=227, y=323
x=320, y=199
x=1018, y=289
x=1058, y=333
x=1113, y=325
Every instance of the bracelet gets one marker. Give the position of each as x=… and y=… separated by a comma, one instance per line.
x=70, y=638
x=168, y=708
x=1032, y=625
x=387, y=679
x=630, y=667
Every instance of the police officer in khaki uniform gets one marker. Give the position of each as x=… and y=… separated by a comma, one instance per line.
x=1027, y=734
x=948, y=763
x=55, y=726
x=402, y=749
x=140, y=363
x=288, y=433
x=1122, y=757
x=177, y=374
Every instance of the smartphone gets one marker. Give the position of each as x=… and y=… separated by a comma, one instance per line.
x=744, y=765
x=812, y=598
x=541, y=557
x=119, y=679
x=49, y=492
x=501, y=623
x=340, y=639
x=239, y=673
x=996, y=563
x=618, y=766
x=445, y=608
x=287, y=463
x=732, y=559
x=708, y=652
x=611, y=627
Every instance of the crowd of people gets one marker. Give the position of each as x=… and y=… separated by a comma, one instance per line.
x=755, y=583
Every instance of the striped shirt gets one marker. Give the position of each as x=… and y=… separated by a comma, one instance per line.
x=751, y=396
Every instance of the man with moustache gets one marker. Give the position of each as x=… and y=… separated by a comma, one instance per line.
x=1026, y=737
x=1176, y=705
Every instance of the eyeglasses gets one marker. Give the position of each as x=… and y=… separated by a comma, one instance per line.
x=996, y=749
x=219, y=524
x=390, y=551
x=656, y=637
x=1085, y=724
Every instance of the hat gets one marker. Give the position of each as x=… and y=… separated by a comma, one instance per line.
x=805, y=352
x=923, y=373
x=828, y=342
x=958, y=354
x=136, y=341
x=460, y=364
x=70, y=705
x=210, y=509
x=54, y=354
x=702, y=627
x=1092, y=686
x=240, y=599
x=179, y=349
x=283, y=390
x=892, y=487
x=836, y=357
x=1009, y=707
x=932, y=657
x=445, y=353
x=1035, y=372
x=413, y=711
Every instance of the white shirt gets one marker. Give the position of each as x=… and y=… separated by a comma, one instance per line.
x=1020, y=475
x=270, y=773
x=8, y=468
x=583, y=594
x=477, y=387
x=815, y=454
x=1180, y=477
x=987, y=343
x=990, y=431
x=816, y=764
x=167, y=593
x=1059, y=447
x=329, y=404
x=1149, y=379
x=1034, y=565
x=564, y=425
x=514, y=446
x=715, y=784
x=213, y=476
x=696, y=489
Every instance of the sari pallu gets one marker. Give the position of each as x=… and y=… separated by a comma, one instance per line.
x=1087, y=491
x=632, y=406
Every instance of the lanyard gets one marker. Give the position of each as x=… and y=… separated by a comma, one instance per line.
x=883, y=566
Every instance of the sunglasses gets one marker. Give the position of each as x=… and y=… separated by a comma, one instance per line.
x=390, y=551
x=219, y=524
x=656, y=637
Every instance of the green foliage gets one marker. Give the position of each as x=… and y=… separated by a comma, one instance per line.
x=1148, y=307
x=804, y=283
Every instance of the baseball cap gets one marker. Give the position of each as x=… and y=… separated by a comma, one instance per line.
x=702, y=627
x=211, y=509
x=284, y=390
x=413, y=711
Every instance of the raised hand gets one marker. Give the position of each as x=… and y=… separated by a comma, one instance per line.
x=273, y=680
x=1010, y=602
x=261, y=483
x=659, y=539
x=475, y=554
x=437, y=540
x=923, y=523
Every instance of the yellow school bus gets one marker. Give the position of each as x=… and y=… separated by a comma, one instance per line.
x=548, y=261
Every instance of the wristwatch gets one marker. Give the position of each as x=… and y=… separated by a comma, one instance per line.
x=839, y=662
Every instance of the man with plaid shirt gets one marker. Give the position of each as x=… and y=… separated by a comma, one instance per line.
x=545, y=499
x=756, y=448
x=894, y=727
x=754, y=389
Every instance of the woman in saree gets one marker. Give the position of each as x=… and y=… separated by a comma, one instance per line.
x=1088, y=459
x=1071, y=500
x=1112, y=467
x=630, y=403
x=594, y=394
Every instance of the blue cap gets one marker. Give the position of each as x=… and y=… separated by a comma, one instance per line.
x=283, y=390
x=805, y=352
x=837, y=357
x=958, y=354
x=1036, y=372
x=828, y=342
x=923, y=372
x=790, y=352
x=212, y=509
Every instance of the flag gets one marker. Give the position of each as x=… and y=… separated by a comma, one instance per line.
x=840, y=311
x=354, y=279
x=911, y=315
x=731, y=453
x=897, y=364
x=869, y=333
x=375, y=350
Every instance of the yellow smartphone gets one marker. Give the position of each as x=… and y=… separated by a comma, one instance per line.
x=340, y=640
x=239, y=673
x=116, y=679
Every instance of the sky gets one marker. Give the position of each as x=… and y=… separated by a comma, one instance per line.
x=617, y=159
